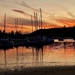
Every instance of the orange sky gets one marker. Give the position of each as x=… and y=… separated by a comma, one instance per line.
x=55, y=13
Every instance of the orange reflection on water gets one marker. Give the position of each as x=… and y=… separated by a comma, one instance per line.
x=54, y=54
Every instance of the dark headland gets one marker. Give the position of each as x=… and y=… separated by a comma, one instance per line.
x=38, y=37
x=65, y=32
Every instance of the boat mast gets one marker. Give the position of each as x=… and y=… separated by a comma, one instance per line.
x=22, y=27
x=32, y=22
x=35, y=20
x=16, y=24
x=41, y=18
x=4, y=23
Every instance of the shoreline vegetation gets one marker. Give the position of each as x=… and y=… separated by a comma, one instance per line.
x=37, y=38
x=64, y=32
x=58, y=70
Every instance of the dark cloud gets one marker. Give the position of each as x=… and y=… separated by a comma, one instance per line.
x=21, y=12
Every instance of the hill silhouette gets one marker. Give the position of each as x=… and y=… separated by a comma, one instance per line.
x=56, y=32
x=50, y=33
x=37, y=38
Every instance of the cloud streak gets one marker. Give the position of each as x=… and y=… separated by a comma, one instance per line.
x=26, y=5
x=21, y=12
x=66, y=10
x=25, y=22
x=67, y=22
x=71, y=14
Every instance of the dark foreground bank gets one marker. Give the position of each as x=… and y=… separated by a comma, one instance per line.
x=67, y=70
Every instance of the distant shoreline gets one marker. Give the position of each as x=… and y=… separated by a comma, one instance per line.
x=61, y=70
x=36, y=38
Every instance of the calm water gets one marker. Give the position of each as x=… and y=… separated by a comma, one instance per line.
x=60, y=54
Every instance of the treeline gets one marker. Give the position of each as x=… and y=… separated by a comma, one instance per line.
x=12, y=35
x=51, y=33
x=56, y=32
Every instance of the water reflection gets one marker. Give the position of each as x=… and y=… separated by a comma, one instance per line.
x=5, y=57
x=17, y=57
x=39, y=55
x=50, y=55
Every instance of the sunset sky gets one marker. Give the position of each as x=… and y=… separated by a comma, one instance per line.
x=56, y=13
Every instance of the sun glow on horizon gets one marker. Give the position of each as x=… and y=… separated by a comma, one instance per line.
x=54, y=14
